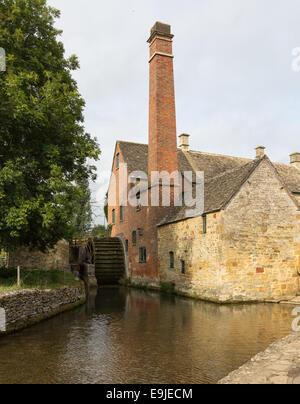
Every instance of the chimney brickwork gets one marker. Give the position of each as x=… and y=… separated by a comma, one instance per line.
x=162, y=116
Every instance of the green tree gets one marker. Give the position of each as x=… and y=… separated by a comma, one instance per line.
x=82, y=213
x=43, y=146
x=98, y=231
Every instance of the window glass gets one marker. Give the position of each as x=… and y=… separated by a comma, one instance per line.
x=134, y=238
x=172, y=260
x=204, y=224
x=143, y=255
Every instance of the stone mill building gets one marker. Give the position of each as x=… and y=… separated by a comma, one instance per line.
x=245, y=245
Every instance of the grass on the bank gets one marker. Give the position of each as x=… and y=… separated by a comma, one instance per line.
x=35, y=279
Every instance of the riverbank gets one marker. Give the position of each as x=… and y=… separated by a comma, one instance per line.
x=279, y=364
x=24, y=308
x=171, y=289
x=38, y=279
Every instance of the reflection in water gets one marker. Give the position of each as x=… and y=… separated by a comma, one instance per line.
x=129, y=336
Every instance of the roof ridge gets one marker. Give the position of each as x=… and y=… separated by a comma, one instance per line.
x=212, y=154
x=289, y=192
x=284, y=164
x=255, y=163
x=251, y=162
x=124, y=141
x=219, y=155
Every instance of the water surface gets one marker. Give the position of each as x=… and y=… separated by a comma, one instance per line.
x=130, y=336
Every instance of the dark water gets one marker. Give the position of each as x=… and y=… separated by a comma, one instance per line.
x=129, y=336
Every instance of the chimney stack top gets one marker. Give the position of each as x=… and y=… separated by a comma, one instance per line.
x=184, y=143
x=295, y=160
x=162, y=29
x=260, y=152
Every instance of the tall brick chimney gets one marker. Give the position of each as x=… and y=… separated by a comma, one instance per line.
x=162, y=155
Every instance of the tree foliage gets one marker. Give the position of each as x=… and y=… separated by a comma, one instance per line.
x=82, y=214
x=43, y=146
x=99, y=231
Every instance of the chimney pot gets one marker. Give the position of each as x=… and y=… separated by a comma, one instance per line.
x=260, y=152
x=295, y=160
x=184, y=143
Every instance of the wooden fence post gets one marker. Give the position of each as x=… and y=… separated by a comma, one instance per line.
x=19, y=276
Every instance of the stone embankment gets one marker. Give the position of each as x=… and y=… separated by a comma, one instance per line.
x=279, y=364
x=27, y=307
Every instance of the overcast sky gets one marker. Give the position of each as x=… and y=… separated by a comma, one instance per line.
x=235, y=87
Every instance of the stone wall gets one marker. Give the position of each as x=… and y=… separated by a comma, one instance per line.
x=261, y=235
x=279, y=364
x=202, y=254
x=55, y=259
x=23, y=306
x=251, y=251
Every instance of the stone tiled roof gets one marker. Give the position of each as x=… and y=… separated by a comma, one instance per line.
x=224, y=175
x=218, y=191
x=136, y=156
x=290, y=176
x=214, y=164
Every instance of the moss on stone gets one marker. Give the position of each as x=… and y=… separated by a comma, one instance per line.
x=169, y=288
